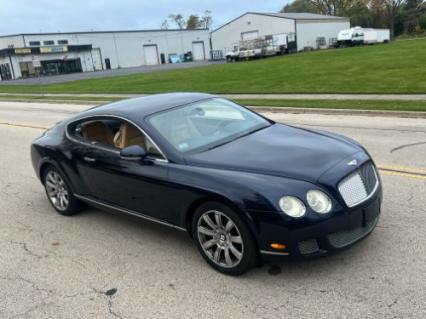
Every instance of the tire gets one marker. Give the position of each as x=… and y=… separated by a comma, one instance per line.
x=59, y=193
x=225, y=243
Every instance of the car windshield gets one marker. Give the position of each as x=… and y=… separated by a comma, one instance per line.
x=206, y=124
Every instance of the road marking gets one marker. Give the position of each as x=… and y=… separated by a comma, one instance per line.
x=395, y=170
x=403, y=169
x=409, y=175
x=24, y=125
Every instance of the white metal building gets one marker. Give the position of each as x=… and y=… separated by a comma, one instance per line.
x=311, y=30
x=55, y=53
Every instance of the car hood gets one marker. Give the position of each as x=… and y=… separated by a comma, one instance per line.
x=279, y=150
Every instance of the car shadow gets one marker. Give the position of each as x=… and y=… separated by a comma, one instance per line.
x=179, y=243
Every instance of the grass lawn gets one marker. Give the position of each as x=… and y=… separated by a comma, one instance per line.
x=398, y=67
x=342, y=104
x=332, y=104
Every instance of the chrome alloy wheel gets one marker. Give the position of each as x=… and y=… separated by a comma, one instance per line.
x=57, y=191
x=220, y=239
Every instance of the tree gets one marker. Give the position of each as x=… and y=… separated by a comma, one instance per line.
x=165, y=25
x=413, y=10
x=206, y=20
x=300, y=6
x=360, y=15
x=332, y=7
x=391, y=9
x=178, y=20
x=193, y=22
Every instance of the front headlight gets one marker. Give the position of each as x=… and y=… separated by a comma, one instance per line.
x=319, y=201
x=292, y=206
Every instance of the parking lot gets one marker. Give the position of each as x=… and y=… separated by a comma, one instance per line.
x=107, y=73
x=99, y=265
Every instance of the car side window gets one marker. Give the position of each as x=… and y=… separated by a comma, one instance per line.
x=113, y=133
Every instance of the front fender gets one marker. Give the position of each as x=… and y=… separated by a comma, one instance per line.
x=249, y=194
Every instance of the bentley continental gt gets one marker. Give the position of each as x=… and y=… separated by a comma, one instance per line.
x=245, y=188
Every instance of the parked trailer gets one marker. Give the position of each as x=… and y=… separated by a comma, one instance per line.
x=372, y=36
x=349, y=37
x=358, y=35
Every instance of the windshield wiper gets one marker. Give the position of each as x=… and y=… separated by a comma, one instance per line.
x=237, y=137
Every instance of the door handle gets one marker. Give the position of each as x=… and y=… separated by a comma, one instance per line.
x=89, y=159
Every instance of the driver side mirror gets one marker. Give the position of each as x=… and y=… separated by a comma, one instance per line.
x=133, y=153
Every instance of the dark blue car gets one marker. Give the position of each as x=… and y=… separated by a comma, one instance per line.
x=245, y=188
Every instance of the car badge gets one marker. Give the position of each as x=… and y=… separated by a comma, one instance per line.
x=353, y=163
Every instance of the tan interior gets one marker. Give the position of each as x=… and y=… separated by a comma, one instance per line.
x=128, y=135
x=98, y=132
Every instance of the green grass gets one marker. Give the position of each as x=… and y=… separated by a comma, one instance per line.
x=332, y=104
x=44, y=98
x=398, y=67
x=419, y=106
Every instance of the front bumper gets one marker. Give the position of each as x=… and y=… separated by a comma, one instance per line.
x=318, y=238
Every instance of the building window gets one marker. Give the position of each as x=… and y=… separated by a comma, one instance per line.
x=34, y=43
x=49, y=42
x=62, y=41
x=321, y=41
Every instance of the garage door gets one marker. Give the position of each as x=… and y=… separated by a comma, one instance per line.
x=198, y=51
x=151, y=54
x=249, y=35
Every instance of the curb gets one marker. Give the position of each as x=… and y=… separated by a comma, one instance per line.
x=303, y=110
x=271, y=109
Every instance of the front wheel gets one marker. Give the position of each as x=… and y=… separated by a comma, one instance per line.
x=59, y=193
x=223, y=239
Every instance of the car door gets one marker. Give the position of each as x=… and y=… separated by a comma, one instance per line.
x=140, y=186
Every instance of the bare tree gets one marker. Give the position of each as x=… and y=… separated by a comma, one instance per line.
x=389, y=9
x=332, y=7
x=206, y=20
x=165, y=25
x=178, y=20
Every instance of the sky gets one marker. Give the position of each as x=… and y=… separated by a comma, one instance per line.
x=34, y=16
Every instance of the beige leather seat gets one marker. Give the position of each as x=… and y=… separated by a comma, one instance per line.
x=98, y=131
x=128, y=135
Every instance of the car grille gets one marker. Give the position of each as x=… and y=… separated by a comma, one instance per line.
x=309, y=246
x=345, y=238
x=358, y=186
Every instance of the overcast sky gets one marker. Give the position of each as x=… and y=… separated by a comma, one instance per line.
x=33, y=16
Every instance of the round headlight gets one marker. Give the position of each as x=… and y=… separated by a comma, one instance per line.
x=292, y=206
x=319, y=201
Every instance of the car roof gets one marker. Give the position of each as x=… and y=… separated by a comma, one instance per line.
x=144, y=106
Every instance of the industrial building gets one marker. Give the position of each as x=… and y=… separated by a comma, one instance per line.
x=28, y=55
x=308, y=30
x=24, y=55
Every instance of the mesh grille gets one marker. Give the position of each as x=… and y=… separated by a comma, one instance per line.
x=344, y=238
x=358, y=186
x=308, y=246
x=369, y=177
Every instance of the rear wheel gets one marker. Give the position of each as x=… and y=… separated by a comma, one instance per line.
x=59, y=193
x=223, y=239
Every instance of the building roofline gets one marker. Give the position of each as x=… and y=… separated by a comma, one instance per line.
x=104, y=31
x=333, y=18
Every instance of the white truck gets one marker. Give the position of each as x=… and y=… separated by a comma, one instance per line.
x=359, y=35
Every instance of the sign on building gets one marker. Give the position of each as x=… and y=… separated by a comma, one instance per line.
x=36, y=61
x=57, y=49
x=23, y=51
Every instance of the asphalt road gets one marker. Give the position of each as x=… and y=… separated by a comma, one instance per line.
x=107, y=73
x=99, y=265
